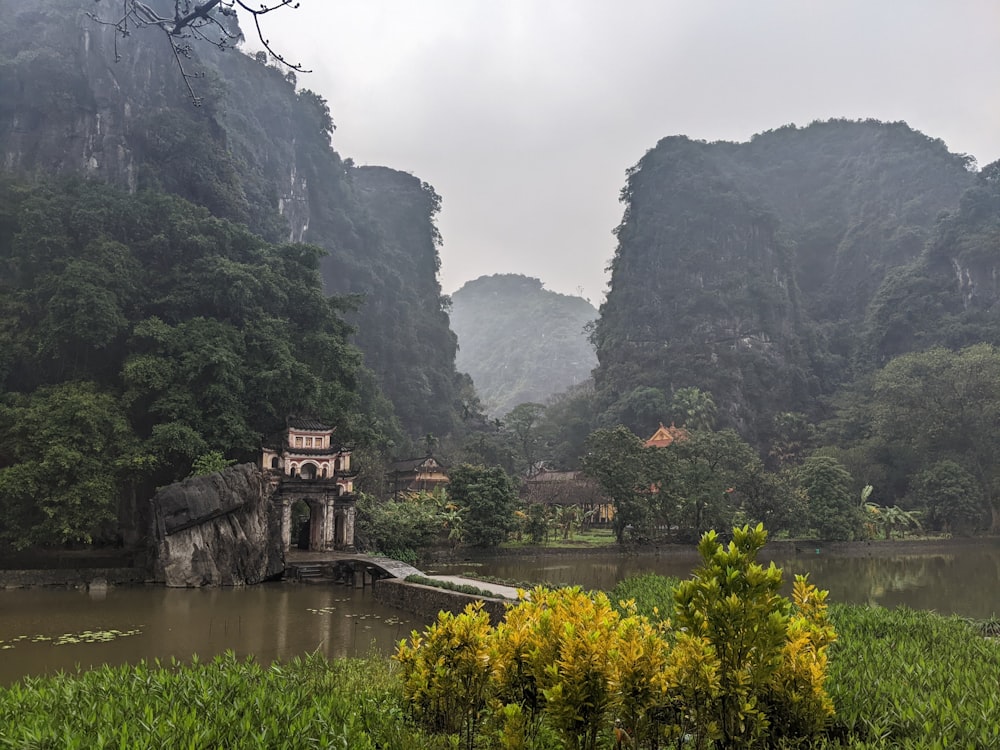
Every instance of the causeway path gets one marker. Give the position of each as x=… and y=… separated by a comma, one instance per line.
x=393, y=568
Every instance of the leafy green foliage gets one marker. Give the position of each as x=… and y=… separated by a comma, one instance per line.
x=708, y=476
x=407, y=523
x=209, y=463
x=908, y=679
x=488, y=499
x=950, y=495
x=921, y=409
x=445, y=674
x=693, y=408
x=229, y=702
x=946, y=405
x=258, y=153
x=617, y=460
x=189, y=333
x=650, y=595
x=833, y=512
x=743, y=666
x=66, y=450
x=704, y=480
x=758, y=640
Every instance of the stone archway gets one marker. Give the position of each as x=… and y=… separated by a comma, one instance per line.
x=326, y=520
x=308, y=470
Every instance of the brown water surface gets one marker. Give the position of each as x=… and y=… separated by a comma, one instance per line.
x=959, y=577
x=280, y=621
x=271, y=621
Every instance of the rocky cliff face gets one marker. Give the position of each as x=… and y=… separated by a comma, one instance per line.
x=519, y=341
x=702, y=293
x=217, y=530
x=257, y=151
x=769, y=272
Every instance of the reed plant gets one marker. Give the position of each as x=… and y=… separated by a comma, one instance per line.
x=229, y=702
x=901, y=678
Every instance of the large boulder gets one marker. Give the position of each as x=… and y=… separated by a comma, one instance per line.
x=217, y=530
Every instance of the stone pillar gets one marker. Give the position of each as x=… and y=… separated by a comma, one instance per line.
x=349, y=514
x=286, y=524
x=329, y=523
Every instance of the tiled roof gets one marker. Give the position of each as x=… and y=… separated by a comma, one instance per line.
x=666, y=436
x=412, y=464
x=306, y=423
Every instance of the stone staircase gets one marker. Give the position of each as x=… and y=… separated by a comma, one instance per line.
x=307, y=572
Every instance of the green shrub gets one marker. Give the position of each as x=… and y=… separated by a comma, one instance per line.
x=771, y=654
x=742, y=665
x=652, y=596
x=446, y=674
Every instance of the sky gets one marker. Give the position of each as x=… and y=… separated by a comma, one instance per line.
x=524, y=115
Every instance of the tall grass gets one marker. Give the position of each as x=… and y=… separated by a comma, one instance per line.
x=901, y=678
x=228, y=703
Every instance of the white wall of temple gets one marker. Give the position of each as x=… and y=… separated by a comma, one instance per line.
x=309, y=439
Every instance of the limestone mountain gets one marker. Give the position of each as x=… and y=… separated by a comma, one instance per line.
x=752, y=270
x=257, y=152
x=950, y=295
x=519, y=341
x=702, y=293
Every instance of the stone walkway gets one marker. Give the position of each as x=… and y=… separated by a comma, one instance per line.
x=506, y=592
x=395, y=569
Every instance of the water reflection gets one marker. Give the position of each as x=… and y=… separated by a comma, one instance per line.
x=955, y=578
x=272, y=621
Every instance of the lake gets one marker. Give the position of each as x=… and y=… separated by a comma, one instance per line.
x=46, y=630
x=271, y=621
x=953, y=577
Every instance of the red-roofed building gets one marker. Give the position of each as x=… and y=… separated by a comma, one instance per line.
x=666, y=436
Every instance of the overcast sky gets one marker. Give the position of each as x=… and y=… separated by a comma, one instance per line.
x=525, y=114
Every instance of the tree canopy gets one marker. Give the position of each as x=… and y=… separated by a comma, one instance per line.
x=140, y=333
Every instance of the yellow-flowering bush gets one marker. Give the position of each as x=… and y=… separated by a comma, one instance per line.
x=446, y=672
x=742, y=666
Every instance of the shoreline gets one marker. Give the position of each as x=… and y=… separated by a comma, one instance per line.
x=81, y=574
x=781, y=547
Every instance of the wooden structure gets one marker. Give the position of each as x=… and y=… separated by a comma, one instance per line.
x=568, y=488
x=306, y=464
x=416, y=475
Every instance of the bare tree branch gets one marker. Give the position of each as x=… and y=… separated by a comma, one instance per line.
x=190, y=21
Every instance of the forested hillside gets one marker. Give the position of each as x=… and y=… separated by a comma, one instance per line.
x=519, y=341
x=770, y=273
x=257, y=152
x=139, y=334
